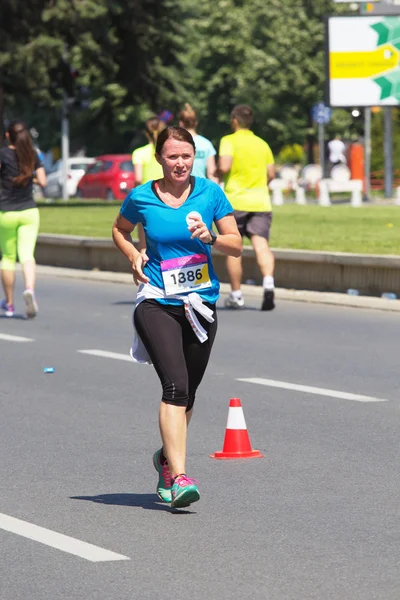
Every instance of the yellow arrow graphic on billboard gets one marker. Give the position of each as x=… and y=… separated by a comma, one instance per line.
x=350, y=65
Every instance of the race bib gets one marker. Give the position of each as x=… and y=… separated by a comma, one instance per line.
x=185, y=274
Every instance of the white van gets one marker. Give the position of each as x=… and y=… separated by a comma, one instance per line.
x=76, y=168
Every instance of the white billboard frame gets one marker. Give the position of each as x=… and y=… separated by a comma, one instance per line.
x=359, y=100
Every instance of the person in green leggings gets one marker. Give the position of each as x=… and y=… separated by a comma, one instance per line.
x=20, y=167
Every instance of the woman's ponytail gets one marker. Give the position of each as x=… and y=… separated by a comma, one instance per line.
x=25, y=152
x=188, y=117
x=154, y=127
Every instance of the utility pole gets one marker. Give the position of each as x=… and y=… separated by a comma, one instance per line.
x=367, y=141
x=64, y=144
x=367, y=151
x=388, y=127
x=321, y=143
x=388, y=143
x=67, y=87
x=388, y=151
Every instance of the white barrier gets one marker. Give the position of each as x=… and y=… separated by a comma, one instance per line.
x=397, y=201
x=324, y=199
x=340, y=173
x=300, y=195
x=326, y=187
x=354, y=186
x=311, y=175
x=277, y=186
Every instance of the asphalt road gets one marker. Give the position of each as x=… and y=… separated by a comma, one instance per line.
x=317, y=518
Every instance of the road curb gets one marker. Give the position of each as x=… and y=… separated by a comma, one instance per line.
x=248, y=290
x=333, y=272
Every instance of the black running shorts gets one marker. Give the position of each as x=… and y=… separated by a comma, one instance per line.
x=253, y=223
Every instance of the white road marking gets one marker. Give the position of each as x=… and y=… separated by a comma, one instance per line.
x=312, y=390
x=106, y=354
x=58, y=540
x=15, y=338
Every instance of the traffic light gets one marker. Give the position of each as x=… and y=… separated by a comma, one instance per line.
x=68, y=78
x=64, y=76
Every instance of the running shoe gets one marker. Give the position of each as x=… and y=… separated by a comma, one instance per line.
x=231, y=302
x=164, y=477
x=8, y=308
x=184, y=491
x=268, y=300
x=31, y=307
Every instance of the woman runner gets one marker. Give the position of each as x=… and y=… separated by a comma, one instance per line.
x=19, y=215
x=175, y=315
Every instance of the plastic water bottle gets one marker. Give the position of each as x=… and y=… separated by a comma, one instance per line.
x=389, y=296
x=48, y=370
x=352, y=292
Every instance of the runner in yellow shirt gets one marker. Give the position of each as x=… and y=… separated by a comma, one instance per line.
x=144, y=160
x=247, y=163
x=145, y=163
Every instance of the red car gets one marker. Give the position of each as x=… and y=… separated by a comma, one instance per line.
x=111, y=177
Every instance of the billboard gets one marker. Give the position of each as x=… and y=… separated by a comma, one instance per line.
x=363, y=61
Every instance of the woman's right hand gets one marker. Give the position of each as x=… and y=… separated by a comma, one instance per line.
x=138, y=265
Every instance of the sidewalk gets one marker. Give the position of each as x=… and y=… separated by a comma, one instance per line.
x=248, y=290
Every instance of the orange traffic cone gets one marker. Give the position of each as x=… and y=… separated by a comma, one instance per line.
x=237, y=441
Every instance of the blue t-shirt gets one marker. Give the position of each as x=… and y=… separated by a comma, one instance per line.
x=167, y=233
x=204, y=149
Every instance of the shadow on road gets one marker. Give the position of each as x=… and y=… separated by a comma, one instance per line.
x=14, y=317
x=237, y=310
x=147, y=501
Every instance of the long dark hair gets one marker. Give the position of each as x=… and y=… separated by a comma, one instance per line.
x=26, y=155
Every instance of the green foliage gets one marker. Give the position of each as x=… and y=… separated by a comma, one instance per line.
x=266, y=54
x=291, y=154
x=126, y=53
x=137, y=57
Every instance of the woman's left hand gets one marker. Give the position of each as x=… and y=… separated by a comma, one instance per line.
x=199, y=230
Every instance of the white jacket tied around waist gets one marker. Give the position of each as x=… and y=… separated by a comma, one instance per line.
x=191, y=303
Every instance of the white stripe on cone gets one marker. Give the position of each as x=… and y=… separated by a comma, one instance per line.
x=236, y=418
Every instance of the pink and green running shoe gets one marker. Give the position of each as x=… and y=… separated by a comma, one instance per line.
x=184, y=491
x=164, y=477
x=8, y=308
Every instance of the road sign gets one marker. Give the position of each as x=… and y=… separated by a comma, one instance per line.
x=363, y=61
x=321, y=113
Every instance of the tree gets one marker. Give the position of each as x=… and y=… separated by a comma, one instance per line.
x=18, y=24
x=125, y=52
x=266, y=54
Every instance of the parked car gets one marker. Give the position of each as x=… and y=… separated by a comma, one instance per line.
x=111, y=177
x=76, y=167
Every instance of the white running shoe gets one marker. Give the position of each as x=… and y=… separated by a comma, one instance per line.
x=31, y=307
x=231, y=302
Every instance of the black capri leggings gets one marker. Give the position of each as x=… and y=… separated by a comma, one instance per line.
x=178, y=356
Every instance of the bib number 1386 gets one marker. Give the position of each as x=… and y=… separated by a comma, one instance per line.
x=185, y=274
x=189, y=276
